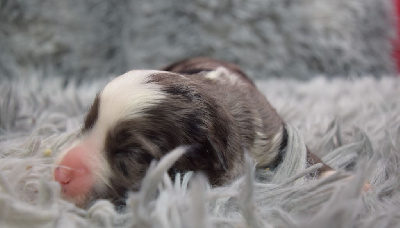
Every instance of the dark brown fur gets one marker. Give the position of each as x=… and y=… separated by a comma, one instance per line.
x=92, y=116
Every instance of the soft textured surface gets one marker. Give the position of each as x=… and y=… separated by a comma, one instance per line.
x=353, y=124
x=267, y=38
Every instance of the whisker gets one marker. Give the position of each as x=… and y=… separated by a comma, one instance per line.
x=62, y=166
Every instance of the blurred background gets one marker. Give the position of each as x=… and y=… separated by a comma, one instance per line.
x=89, y=39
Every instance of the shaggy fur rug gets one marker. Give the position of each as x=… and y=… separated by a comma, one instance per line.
x=353, y=124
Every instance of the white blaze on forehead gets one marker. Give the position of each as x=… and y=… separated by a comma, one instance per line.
x=126, y=97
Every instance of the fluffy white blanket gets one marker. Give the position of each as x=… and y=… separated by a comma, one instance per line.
x=353, y=124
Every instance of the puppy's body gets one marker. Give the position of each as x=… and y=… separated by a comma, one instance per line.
x=142, y=115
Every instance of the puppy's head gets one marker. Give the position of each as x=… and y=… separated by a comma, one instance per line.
x=136, y=118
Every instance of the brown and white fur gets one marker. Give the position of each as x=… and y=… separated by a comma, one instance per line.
x=140, y=116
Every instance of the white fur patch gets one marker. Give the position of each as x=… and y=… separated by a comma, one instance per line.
x=223, y=74
x=216, y=74
x=259, y=150
x=98, y=165
x=126, y=97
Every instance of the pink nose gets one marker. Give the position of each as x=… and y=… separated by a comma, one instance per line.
x=63, y=175
x=74, y=173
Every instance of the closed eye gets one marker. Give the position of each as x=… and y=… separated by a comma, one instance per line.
x=134, y=162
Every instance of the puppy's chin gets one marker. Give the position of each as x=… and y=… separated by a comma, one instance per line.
x=81, y=201
x=84, y=201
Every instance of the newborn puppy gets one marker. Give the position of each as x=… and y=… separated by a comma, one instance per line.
x=140, y=116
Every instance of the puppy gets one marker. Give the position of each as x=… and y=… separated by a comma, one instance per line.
x=142, y=115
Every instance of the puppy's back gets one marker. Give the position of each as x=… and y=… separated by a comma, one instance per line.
x=194, y=66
